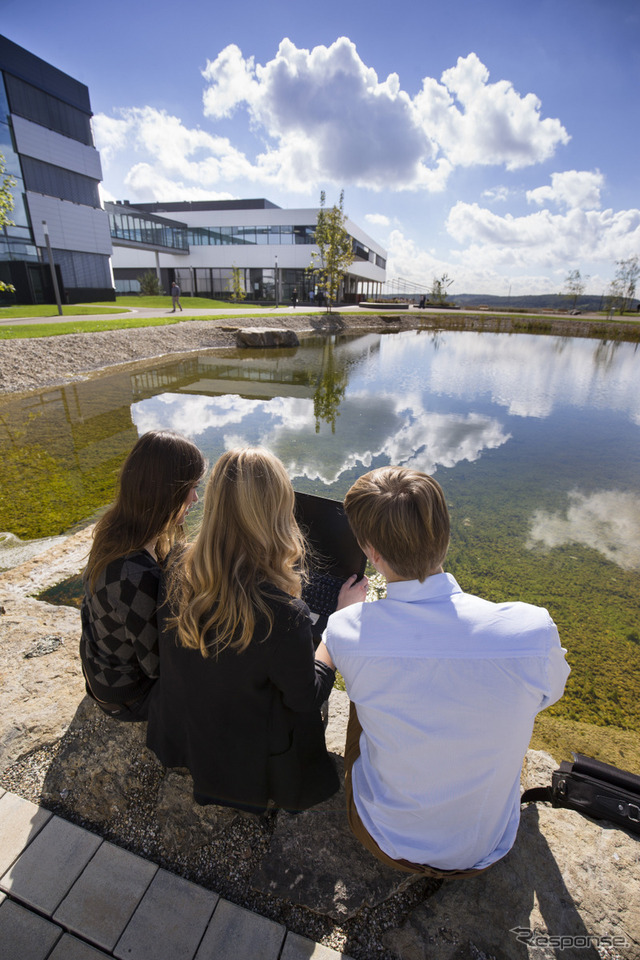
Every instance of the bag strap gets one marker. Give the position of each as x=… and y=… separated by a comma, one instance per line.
x=535, y=794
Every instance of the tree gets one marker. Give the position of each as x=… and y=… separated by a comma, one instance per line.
x=236, y=284
x=149, y=284
x=6, y=206
x=439, y=288
x=330, y=388
x=335, y=249
x=623, y=286
x=574, y=286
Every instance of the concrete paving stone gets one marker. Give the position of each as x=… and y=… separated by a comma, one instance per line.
x=25, y=935
x=235, y=932
x=169, y=921
x=69, y=948
x=300, y=948
x=48, y=868
x=102, y=900
x=20, y=822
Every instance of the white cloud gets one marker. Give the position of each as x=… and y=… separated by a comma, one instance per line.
x=232, y=82
x=575, y=189
x=490, y=123
x=378, y=219
x=496, y=194
x=542, y=238
x=176, y=162
x=323, y=115
x=607, y=521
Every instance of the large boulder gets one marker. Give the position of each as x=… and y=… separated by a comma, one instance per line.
x=39, y=662
x=570, y=887
x=315, y=861
x=266, y=337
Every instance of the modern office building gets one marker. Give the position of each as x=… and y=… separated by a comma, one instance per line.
x=210, y=247
x=47, y=144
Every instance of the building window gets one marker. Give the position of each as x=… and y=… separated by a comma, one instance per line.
x=55, y=181
x=48, y=111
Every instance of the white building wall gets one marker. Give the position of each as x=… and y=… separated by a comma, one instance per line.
x=290, y=256
x=72, y=226
x=51, y=147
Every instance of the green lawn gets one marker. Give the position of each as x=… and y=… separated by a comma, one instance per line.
x=26, y=331
x=50, y=310
x=164, y=303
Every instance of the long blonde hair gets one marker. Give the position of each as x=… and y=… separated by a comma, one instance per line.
x=249, y=543
x=154, y=484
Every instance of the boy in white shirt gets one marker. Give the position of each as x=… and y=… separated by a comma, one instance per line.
x=444, y=689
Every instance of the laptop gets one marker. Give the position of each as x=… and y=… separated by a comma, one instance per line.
x=335, y=554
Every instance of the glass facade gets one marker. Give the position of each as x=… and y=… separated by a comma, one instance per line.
x=16, y=239
x=40, y=107
x=258, y=283
x=136, y=227
x=58, y=182
x=227, y=236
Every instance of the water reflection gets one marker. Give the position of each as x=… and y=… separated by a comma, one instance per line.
x=536, y=442
x=607, y=521
x=528, y=416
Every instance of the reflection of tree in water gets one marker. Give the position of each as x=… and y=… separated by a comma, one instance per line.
x=330, y=388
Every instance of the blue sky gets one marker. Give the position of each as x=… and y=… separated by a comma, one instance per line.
x=497, y=142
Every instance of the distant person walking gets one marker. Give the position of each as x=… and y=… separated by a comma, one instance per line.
x=175, y=296
x=294, y=297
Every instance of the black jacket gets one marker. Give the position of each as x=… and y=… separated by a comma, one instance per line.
x=248, y=725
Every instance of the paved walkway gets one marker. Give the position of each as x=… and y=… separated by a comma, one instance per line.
x=66, y=894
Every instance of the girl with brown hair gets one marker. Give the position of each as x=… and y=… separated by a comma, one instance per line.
x=119, y=643
x=239, y=693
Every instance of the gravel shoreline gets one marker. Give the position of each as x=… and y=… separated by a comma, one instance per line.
x=31, y=364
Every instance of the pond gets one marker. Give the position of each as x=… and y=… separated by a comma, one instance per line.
x=535, y=440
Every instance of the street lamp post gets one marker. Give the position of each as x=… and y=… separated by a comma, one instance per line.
x=54, y=278
x=276, y=283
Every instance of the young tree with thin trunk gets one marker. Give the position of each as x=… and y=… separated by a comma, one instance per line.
x=6, y=206
x=623, y=286
x=335, y=249
x=574, y=286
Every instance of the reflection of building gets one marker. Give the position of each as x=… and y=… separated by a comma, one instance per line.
x=61, y=449
x=46, y=140
x=200, y=245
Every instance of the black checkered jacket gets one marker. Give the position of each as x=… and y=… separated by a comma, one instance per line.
x=119, y=644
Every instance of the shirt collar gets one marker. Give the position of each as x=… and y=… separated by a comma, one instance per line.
x=434, y=587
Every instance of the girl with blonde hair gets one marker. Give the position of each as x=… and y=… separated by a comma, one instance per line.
x=119, y=643
x=239, y=693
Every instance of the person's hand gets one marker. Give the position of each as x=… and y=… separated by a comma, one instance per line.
x=352, y=591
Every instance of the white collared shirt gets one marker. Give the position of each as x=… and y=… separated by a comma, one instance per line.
x=447, y=687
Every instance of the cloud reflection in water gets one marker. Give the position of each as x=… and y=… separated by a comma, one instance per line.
x=607, y=521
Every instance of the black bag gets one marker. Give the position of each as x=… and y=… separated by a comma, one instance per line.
x=594, y=789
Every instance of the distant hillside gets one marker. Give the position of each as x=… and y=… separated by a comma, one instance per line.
x=549, y=301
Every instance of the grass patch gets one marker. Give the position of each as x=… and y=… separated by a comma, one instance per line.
x=30, y=331
x=561, y=738
x=164, y=303
x=50, y=310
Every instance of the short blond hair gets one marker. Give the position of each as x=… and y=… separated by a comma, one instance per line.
x=403, y=515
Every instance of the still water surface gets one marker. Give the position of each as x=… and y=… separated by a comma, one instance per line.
x=536, y=442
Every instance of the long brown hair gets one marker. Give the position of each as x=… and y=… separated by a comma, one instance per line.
x=248, y=543
x=155, y=481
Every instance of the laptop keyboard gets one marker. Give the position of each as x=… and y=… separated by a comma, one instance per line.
x=321, y=593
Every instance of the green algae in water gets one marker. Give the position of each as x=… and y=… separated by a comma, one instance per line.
x=536, y=442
